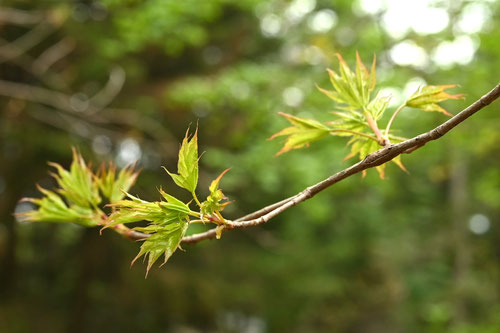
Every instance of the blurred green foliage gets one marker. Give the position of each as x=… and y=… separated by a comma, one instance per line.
x=413, y=253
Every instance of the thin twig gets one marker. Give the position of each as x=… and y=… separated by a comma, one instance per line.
x=393, y=117
x=383, y=141
x=264, y=210
x=377, y=158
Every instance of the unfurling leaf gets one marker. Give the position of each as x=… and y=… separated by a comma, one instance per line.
x=164, y=241
x=359, y=115
x=213, y=203
x=377, y=106
x=301, y=133
x=187, y=166
x=75, y=201
x=159, y=213
x=113, y=187
x=168, y=222
x=77, y=185
x=349, y=123
x=427, y=97
x=352, y=89
x=173, y=204
x=52, y=208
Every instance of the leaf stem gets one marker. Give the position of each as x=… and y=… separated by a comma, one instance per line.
x=383, y=141
x=401, y=107
x=195, y=214
x=196, y=199
x=355, y=133
x=221, y=219
x=199, y=221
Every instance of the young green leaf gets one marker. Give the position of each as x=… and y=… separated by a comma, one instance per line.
x=52, y=208
x=173, y=204
x=351, y=89
x=349, y=124
x=165, y=242
x=377, y=106
x=160, y=213
x=213, y=203
x=77, y=184
x=168, y=223
x=113, y=187
x=187, y=166
x=427, y=97
x=301, y=133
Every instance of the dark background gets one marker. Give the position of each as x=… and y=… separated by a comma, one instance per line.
x=123, y=79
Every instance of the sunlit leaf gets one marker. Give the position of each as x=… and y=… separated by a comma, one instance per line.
x=349, y=121
x=77, y=184
x=52, y=208
x=351, y=89
x=173, y=204
x=427, y=97
x=159, y=213
x=301, y=133
x=214, y=199
x=377, y=106
x=112, y=186
x=165, y=241
x=187, y=166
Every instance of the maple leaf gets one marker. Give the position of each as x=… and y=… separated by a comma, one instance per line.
x=112, y=185
x=302, y=132
x=214, y=205
x=427, y=97
x=187, y=166
x=351, y=89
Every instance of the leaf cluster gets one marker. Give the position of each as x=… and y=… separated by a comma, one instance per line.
x=81, y=192
x=358, y=112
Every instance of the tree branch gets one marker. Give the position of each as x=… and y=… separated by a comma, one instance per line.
x=377, y=158
x=19, y=17
x=26, y=42
x=53, y=54
x=64, y=101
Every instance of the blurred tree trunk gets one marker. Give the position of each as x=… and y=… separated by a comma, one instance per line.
x=458, y=197
x=13, y=191
x=87, y=259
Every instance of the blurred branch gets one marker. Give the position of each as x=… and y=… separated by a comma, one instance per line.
x=35, y=94
x=63, y=101
x=88, y=109
x=86, y=129
x=25, y=42
x=108, y=93
x=53, y=54
x=377, y=158
x=19, y=17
